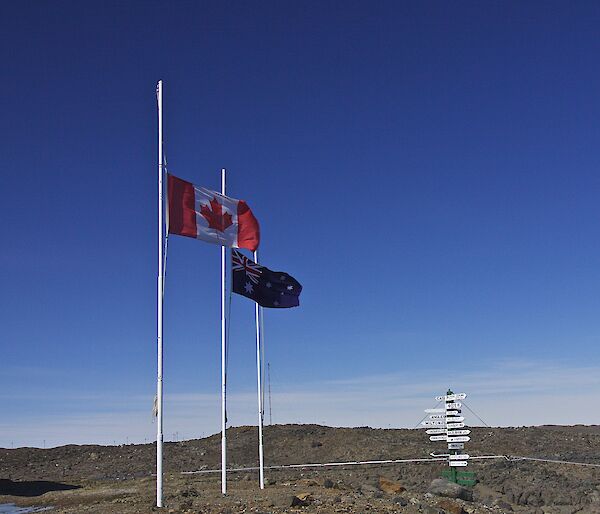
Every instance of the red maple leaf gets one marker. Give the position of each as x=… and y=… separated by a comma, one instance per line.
x=215, y=217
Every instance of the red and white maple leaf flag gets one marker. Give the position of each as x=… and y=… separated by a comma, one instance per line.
x=210, y=216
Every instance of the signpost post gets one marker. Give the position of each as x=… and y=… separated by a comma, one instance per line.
x=446, y=424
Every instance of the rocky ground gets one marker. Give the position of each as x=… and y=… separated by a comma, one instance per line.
x=117, y=479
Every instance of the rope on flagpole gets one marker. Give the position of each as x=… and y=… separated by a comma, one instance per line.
x=165, y=266
x=166, y=196
x=227, y=338
x=262, y=371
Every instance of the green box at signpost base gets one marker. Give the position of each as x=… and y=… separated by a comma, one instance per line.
x=459, y=477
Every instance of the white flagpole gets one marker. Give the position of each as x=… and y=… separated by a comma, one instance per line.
x=257, y=311
x=223, y=356
x=159, y=325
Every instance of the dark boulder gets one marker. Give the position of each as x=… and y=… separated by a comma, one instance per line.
x=442, y=487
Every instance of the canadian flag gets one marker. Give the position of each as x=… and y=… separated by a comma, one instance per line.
x=210, y=216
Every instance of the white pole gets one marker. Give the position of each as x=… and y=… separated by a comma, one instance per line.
x=159, y=325
x=223, y=370
x=262, y=360
x=261, y=463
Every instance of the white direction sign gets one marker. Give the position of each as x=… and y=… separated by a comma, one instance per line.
x=438, y=438
x=457, y=432
x=459, y=456
x=445, y=424
x=459, y=439
x=450, y=397
x=433, y=431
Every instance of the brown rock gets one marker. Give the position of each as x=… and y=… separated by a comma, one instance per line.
x=300, y=500
x=308, y=482
x=390, y=487
x=451, y=507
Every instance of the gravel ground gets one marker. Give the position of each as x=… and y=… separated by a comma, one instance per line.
x=107, y=479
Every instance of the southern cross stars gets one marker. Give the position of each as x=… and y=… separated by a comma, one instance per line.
x=266, y=287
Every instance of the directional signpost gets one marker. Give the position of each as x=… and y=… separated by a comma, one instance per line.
x=446, y=425
x=434, y=423
x=451, y=397
x=459, y=439
x=434, y=431
x=438, y=437
x=459, y=432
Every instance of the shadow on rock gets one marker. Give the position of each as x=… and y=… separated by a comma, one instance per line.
x=32, y=488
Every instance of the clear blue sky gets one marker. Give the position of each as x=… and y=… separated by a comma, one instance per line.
x=429, y=171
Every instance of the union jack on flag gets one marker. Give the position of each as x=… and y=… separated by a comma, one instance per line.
x=242, y=263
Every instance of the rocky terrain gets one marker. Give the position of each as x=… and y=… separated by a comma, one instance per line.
x=118, y=479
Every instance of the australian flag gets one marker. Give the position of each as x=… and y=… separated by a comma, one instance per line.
x=268, y=288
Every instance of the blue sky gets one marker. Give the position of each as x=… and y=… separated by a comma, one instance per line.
x=428, y=172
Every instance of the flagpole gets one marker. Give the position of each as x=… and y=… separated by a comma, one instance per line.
x=257, y=312
x=223, y=356
x=159, y=328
